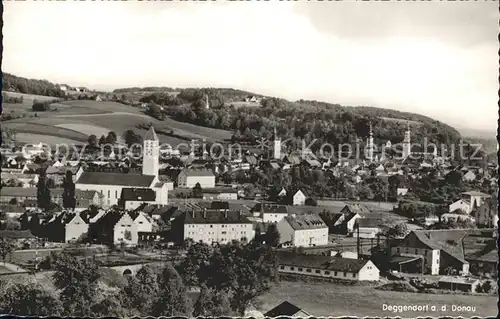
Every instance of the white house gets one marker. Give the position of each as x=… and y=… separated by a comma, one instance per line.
x=143, y=222
x=215, y=226
x=401, y=191
x=367, y=228
x=282, y=193
x=475, y=198
x=220, y=193
x=115, y=228
x=299, y=198
x=469, y=176
x=75, y=228
x=327, y=267
x=461, y=204
x=303, y=230
x=190, y=177
x=131, y=198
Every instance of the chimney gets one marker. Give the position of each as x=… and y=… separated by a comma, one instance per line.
x=204, y=213
x=225, y=213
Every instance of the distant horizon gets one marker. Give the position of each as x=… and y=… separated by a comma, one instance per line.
x=435, y=59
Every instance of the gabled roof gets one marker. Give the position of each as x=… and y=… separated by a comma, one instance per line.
x=307, y=221
x=119, y=179
x=320, y=262
x=283, y=309
x=356, y=208
x=267, y=208
x=197, y=172
x=151, y=135
x=368, y=222
x=215, y=217
x=450, y=240
x=138, y=194
x=475, y=193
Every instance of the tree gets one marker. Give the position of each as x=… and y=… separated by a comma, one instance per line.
x=69, y=200
x=272, y=236
x=43, y=192
x=109, y=306
x=28, y=299
x=6, y=248
x=397, y=231
x=13, y=201
x=130, y=138
x=92, y=141
x=77, y=279
x=139, y=290
x=197, y=191
x=111, y=138
x=173, y=299
x=102, y=140
x=193, y=267
x=311, y=202
x=211, y=303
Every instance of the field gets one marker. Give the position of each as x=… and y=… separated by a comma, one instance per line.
x=47, y=139
x=76, y=120
x=328, y=299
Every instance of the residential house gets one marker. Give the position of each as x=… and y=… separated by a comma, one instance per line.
x=83, y=198
x=144, y=223
x=299, y=198
x=303, y=230
x=401, y=191
x=188, y=178
x=131, y=198
x=286, y=309
x=475, y=198
x=461, y=204
x=220, y=193
x=355, y=208
x=115, y=228
x=327, y=267
x=469, y=176
x=65, y=227
x=440, y=249
x=19, y=194
x=270, y=213
x=213, y=226
x=367, y=228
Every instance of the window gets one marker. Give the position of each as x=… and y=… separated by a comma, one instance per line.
x=308, y=270
x=335, y=274
x=398, y=250
x=116, y=194
x=108, y=193
x=223, y=233
x=292, y=268
x=282, y=267
x=211, y=226
x=318, y=271
x=416, y=251
x=299, y=269
x=353, y=275
x=327, y=272
x=345, y=274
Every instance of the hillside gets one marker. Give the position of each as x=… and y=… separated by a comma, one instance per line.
x=30, y=86
x=303, y=119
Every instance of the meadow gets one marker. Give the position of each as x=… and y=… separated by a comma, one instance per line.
x=330, y=299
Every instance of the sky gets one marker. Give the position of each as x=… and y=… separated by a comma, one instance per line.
x=439, y=59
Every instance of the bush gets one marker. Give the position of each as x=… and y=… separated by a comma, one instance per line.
x=40, y=106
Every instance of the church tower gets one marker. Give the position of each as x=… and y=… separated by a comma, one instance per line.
x=150, y=159
x=407, y=142
x=276, y=146
x=207, y=103
x=370, y=146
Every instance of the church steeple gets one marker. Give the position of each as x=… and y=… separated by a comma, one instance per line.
x=407, y=141
x=276, y=145
x=151, y=156
x=370, y=145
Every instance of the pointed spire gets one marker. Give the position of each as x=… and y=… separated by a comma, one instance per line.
x=151, y=134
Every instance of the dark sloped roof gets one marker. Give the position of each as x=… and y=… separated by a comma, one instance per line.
x=121, y=179
x=283, y=309
x=307, y=221
x=450, y=240
x=16, y=234
x=219, y=205
x=368, y=222
x=270, y=208
x=151, y=135
x=320, y=262
x=138, y=194
x=215, y=217
x=476, y=193
x=198, y=172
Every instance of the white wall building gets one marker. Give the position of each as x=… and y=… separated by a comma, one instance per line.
x=188, y=178
x=299, y=198
x=215, y=226
x=303, y=231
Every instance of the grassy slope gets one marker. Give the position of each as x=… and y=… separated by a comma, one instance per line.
x=328, y=299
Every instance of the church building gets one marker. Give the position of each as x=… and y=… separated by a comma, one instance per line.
x=111, y=185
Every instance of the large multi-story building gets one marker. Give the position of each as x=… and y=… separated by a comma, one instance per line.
x=214, y=226
x=303, y=230
x=188, y=178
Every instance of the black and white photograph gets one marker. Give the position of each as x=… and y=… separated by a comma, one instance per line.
x=253, y=159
